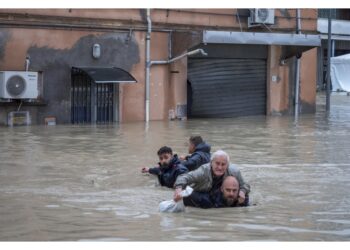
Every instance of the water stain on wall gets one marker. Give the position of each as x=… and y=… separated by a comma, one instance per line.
x=117, y=50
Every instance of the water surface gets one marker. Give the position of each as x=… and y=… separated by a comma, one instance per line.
x=83, y=183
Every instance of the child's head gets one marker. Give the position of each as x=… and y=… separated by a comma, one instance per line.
x=165, y=154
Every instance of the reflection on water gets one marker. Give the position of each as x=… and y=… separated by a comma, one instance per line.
x=84, y=182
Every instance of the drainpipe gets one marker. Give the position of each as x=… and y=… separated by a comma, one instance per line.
x=328, y=84
x=27, y=63
x=297, y=75
x=190, y=53
x=298, y=22
x=170, y=38
x=297, y=70
x=148, y=61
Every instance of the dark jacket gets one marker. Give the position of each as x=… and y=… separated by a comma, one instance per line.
x=219, y=201
x=167, y=175
x=207, y=200
x=200, y=156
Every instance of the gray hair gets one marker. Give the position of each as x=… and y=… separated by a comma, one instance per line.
x=220, y=153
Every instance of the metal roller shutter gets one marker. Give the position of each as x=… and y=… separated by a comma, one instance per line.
x=227, y=87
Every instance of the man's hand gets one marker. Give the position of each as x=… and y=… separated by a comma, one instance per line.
x=145, y=170
x=182, y=157
x=177, y=194
x=241, y=197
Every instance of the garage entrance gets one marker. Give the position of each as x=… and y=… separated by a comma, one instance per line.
x=230, y=82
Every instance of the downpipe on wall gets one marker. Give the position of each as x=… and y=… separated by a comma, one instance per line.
x=297, y=71
x=148, y=61
x=297, y=76
x=329, y=49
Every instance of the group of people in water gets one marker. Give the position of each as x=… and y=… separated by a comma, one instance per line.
x=215, y=182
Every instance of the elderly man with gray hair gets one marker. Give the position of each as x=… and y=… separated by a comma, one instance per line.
x=209, y=177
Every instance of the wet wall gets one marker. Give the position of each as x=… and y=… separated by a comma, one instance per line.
x=117, y=49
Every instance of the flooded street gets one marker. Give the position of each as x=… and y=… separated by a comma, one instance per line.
x=83, y=183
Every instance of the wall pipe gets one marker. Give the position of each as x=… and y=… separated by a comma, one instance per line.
x=297, y=76
x=297, y=70
x=329, y=51
x=298, y=22
x=27, y=63
x=148, y=61
x=190, y=53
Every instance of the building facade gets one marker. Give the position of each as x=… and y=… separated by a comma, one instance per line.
x=249, y=67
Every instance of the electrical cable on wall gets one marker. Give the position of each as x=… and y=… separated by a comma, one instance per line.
x=239, y=20
x=19, y=107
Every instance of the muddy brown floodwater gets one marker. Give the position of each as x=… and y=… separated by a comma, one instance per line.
x=83, y=183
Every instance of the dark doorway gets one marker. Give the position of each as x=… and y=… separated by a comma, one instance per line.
x=189, y=99
x=91, y=102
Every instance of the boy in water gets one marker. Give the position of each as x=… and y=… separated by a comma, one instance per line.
x=170, y=167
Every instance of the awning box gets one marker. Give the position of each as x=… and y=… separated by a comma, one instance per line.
x=106, y=74
x=293, y=44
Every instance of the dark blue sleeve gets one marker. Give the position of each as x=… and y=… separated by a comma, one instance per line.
x=180, y=169
x=199, y=199
x=193, y=162
x=155, y=171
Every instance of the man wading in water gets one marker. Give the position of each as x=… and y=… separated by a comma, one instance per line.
x=227, y=196
x=209, y=177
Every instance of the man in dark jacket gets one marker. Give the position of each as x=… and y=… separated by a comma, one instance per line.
x=226, y=196
x=168, y=169
x=199, y=153
x=209, y=177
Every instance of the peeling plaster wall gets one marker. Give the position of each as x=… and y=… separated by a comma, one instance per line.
x=55, y=59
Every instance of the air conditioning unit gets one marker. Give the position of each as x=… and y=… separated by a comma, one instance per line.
x=261, y=16
x=19, y=85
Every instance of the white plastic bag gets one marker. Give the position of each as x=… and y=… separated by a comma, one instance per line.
x=171, y=206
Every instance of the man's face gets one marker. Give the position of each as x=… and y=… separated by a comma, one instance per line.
x=219, y=165
x=230, y=190
x=164, y=159
x=191, y=148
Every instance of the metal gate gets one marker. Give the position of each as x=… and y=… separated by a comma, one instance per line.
x=227, y=87
x=91, y=102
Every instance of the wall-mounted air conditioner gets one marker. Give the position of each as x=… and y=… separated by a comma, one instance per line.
x=19, y=85
x=261, y=16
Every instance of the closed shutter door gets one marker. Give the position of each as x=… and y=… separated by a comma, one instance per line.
x=227, y=87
